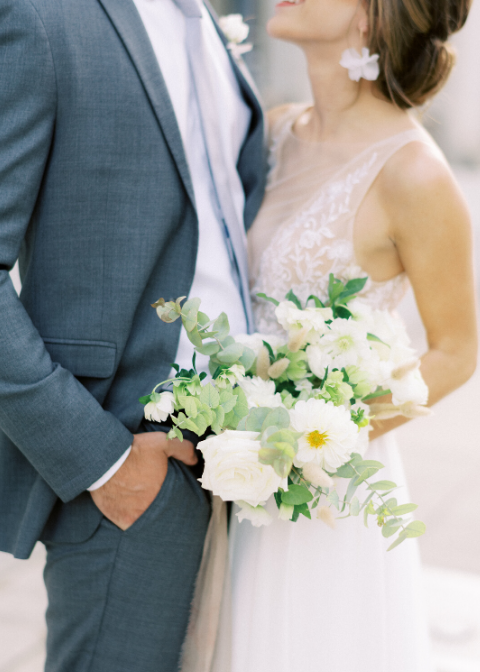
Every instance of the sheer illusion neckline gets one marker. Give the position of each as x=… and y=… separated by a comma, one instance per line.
x=362, y=146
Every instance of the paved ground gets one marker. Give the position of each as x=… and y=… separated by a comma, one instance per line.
x=442, y=457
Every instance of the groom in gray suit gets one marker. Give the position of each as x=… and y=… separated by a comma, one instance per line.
x=131, y=162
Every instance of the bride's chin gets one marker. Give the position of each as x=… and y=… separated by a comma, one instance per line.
x=280, y=28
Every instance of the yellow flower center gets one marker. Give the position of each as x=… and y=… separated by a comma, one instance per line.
x=317, y=440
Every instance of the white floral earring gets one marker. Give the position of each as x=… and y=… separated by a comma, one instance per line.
x=361, y=66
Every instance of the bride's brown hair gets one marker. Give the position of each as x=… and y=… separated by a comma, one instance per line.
x=411, y=37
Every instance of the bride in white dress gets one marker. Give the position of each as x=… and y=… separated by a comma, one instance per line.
x=356, y=187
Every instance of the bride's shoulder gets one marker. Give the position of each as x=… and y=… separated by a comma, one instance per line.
x=417, y=187
x=277, y=113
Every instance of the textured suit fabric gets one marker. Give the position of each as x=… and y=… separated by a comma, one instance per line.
x=129, y=614
x=96, y=200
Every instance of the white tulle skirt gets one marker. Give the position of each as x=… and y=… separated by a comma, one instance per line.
x=310, y=599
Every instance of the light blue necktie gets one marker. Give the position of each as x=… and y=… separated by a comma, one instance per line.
x=205, y=94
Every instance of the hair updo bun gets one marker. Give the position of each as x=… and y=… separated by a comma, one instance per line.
x=411, y=37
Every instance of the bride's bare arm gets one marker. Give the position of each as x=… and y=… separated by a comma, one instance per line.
x=429, y=225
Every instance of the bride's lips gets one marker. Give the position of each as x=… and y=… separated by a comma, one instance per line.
x=289, y=4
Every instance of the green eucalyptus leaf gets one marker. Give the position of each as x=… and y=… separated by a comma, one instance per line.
x=416, y=529
x=401, y=538
x=209, y=349
x=190, y=404
x=239, y=411
x=334, y=499
x=278, y=417
x=190, y=314
x=247, y=359
x=382, y=485
x=221, y=326
x=195, y=338
x=390, y=530
x=316, y=300
x=231, y=354
x=291, y=296
x=256, y=418
x=302, y=509
x=403, y=509
x=354, y=507
x=210, y=396
x=345, y=471
x=227, y=400
x=297, y=494
x=202, y=319
x=261, y=295
x=366, y=473
x=368, y=511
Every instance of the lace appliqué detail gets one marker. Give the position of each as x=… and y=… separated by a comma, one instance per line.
x=318, y=241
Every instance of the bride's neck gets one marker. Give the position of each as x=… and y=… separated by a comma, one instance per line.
x=341, y=107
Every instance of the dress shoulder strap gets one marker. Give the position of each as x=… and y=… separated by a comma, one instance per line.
x=368, y=165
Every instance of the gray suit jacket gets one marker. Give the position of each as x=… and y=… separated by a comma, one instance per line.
x=97, y=202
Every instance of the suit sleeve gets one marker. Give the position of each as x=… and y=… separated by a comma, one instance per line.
x=52, y=419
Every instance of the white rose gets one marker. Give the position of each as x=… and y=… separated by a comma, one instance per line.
x=329, y=434
x=260, y=393
x=257, y=515
x=233, y=471
x=160, y=410
x=410, y=388
x=234, y=28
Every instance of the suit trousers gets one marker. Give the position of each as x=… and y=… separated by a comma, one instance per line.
x=120, y=601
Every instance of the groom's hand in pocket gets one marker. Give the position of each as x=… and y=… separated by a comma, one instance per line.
x=129, y=493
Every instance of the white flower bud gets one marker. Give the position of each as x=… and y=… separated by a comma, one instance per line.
x=297, y=339
x=319, y=478
x=325, y=515
x=278, y=368
x=263, y=363
x=286, y=511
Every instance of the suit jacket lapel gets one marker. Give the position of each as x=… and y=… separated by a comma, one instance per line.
x=129, y=26
x=244, y=77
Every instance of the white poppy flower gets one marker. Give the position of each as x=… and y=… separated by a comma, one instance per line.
x=329, y=434
x=260, y=393
x=257, y=515
x=160, y=410
x=345, y=344
x=233, y=471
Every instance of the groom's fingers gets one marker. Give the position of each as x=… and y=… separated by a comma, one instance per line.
x=182, y=450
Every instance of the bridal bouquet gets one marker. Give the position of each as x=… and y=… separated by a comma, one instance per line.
x=289, y=417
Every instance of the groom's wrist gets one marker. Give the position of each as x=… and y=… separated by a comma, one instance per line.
x=110, y=473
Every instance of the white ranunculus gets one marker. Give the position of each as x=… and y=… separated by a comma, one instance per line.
x=234, y=28
x=160, y=410
x=257, y=515
x=233, y=471
x=255, y=341
x=410, y=388
x=292, y=319
x=329, y=434
x=260, y=393
x=345, y=343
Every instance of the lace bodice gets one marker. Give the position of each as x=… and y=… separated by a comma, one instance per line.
x=306, y=222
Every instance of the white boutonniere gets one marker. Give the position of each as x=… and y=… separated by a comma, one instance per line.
x=236, y=31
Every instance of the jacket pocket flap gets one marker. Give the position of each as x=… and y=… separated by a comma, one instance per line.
x=85, y=359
